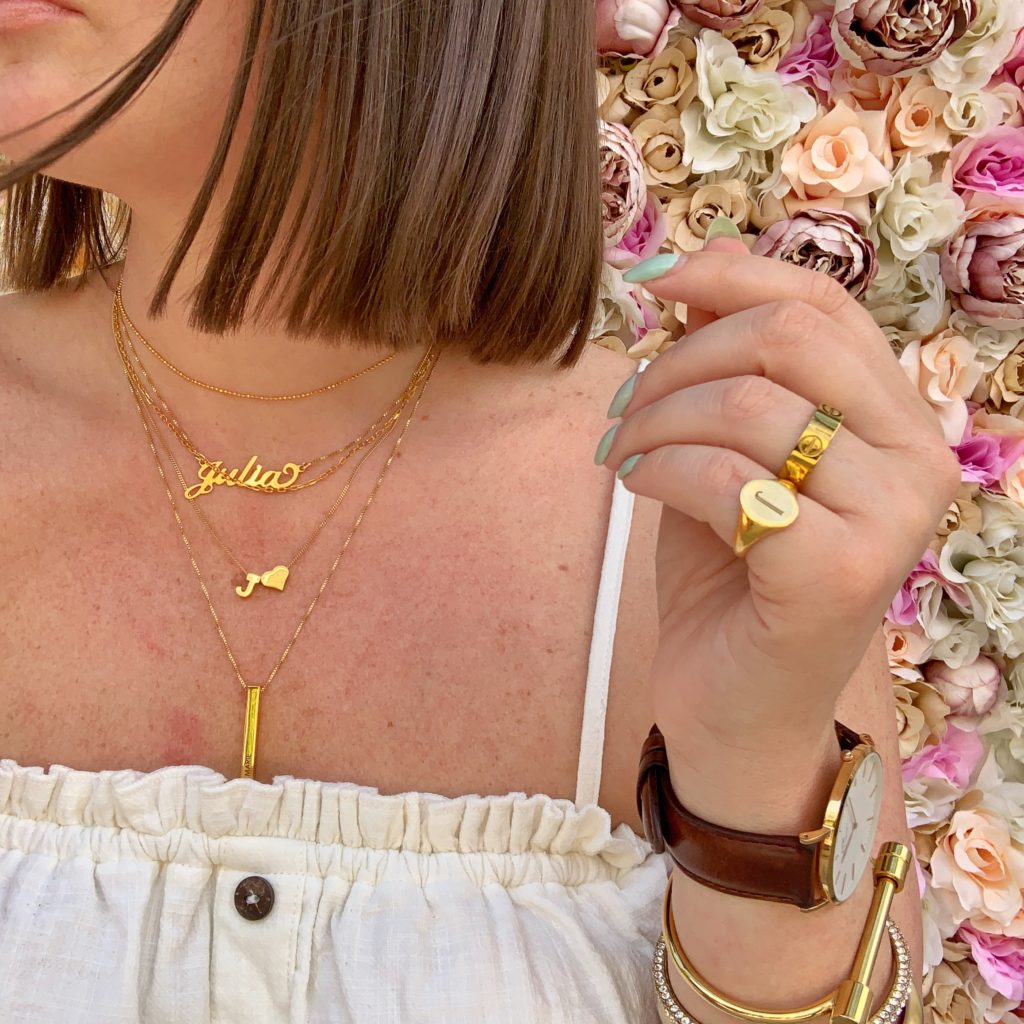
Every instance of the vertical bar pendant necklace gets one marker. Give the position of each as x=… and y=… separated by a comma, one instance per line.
x=252, y=721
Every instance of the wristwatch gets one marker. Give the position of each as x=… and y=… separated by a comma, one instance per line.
x=809, y=870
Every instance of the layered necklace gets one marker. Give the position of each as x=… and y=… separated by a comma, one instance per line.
x=152, y=407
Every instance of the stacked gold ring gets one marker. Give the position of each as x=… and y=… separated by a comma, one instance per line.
x=771, y=504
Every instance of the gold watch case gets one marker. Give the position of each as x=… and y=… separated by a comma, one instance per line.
x=851, y=770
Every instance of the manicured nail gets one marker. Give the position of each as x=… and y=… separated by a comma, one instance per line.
x=722, y=227
x=621, y=397
x=645, y=270
x=604, y=446
x=628, y=465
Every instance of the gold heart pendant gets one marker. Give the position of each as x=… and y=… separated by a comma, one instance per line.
x=275, y=578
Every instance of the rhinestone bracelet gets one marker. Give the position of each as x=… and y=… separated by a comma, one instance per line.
x=889, y=1013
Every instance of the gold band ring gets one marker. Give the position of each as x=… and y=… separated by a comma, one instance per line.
x=771, y=504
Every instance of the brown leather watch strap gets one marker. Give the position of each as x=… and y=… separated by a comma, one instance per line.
x=768, y=867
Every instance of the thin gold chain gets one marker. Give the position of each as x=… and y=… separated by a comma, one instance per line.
x=159, y=405
x=227, y=391
x=141, y=407
x=204, y=519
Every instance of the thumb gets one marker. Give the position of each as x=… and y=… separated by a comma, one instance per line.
x=722, y=236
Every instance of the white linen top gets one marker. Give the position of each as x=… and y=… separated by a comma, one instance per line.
x=117, y=893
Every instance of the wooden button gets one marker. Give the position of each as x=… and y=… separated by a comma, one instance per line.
x=254, y=898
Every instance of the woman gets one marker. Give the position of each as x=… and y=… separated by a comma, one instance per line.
x=437, y=816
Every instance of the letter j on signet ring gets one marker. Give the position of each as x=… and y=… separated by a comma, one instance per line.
x=765, y=505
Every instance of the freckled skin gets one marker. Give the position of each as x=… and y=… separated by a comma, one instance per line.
x=183, y=737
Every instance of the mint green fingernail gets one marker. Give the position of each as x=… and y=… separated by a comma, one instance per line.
x=645, y=270
x=621, y=397
x=628, y=465
x=604, y=446
x=722, y=227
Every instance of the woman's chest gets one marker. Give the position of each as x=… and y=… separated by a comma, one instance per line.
x=446, y=652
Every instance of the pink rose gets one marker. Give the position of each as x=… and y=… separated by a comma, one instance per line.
x=638, y=27
x=953, y=759
x=992, y=163
x=719, y=14
x=623, y=188
x=891, y=36
x=980, y=460
x=904, y=607
x=1007, y=435
x=984, y=267
x=970, y=691
x=1000, y=960
x=643, y=239
x=1012, y=70
x=814, y=60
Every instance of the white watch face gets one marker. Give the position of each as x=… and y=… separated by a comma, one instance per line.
x=855, y=829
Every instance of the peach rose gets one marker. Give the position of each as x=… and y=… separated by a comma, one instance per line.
x=945, y=371
x=907, y=648
x=864, y=90
x=831, y=161
x=918, y=124
x=963, y=513
x=979, y=862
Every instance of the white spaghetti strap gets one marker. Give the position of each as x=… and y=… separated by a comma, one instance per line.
x=595, y=701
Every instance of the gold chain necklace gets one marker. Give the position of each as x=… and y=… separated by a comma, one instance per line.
x=277, y=577
x=253, y=476
x=227, y=391
x=254, y=690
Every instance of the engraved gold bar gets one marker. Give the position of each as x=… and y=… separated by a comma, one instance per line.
x=252, y=721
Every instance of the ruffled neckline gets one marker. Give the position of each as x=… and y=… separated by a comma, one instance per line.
x=203, y=801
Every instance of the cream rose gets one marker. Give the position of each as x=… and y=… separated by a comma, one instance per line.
x=690, y=214
x=739, y=108
x=974, y=57
x=666, y=79
x=660, y=139
x=963, y=512
x=913, y=213
x=920, y=716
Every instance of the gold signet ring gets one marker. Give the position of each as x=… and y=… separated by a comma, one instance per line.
x=765, y=505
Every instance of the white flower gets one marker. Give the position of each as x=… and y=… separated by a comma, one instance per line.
x=975, y=111
x=1003, y=729
x=995, y=583
x=908, y=300
x=973, y=59
x=993, y=345
x=914, y=213
x=738, y=108
x=1002, y=522
x=938, y=921
x=962, y=643
x=618, y=311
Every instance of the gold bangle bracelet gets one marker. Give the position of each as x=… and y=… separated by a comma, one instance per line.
x=669, y=943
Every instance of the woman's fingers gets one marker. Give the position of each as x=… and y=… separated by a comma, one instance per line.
x=806, y=353
x=704, y=482
x=758, y=419
x=696, y=318
x=725, y=283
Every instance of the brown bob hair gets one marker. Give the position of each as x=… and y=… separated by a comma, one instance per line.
x=453, y=193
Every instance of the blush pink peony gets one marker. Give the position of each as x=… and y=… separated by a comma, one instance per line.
x=638, y=27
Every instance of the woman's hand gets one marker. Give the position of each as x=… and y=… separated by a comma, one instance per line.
x=762, y=645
